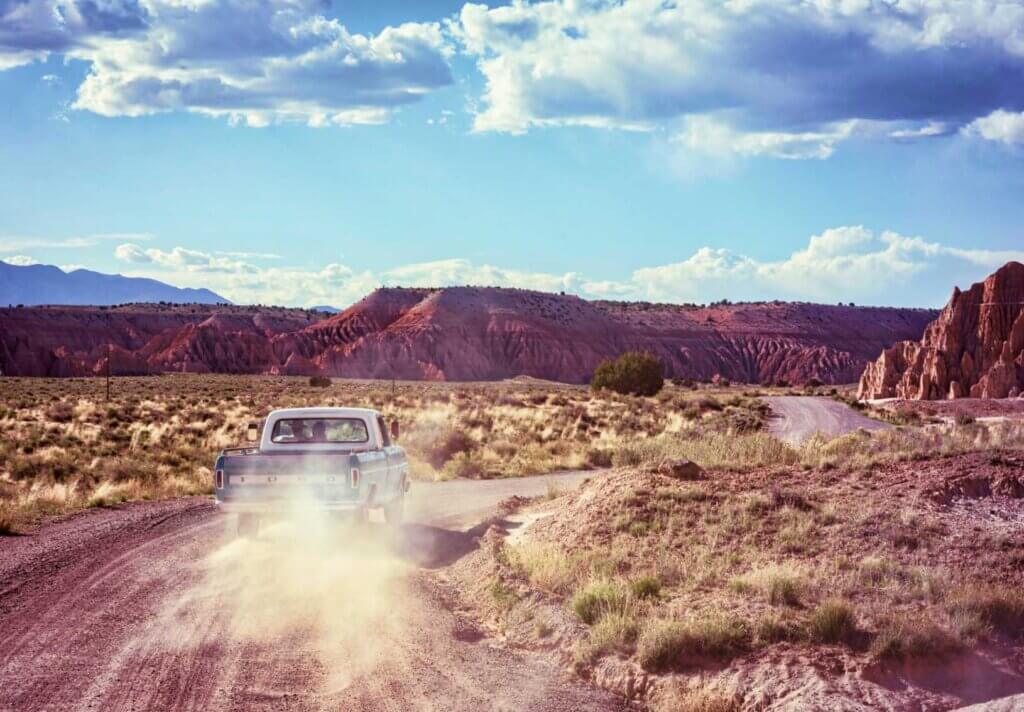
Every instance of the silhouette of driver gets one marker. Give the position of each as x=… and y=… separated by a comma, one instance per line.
x=319, y=432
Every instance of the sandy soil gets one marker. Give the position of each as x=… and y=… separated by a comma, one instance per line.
x=155, y=606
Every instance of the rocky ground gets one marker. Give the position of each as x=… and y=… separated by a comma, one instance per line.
x=896, y=586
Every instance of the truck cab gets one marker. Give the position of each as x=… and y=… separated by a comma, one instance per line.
x=340, y=460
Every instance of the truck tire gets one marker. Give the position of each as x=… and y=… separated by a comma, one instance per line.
x=394, y=513
x=248, y=525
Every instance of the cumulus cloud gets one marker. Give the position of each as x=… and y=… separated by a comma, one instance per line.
x=850, y=263
x=1000, y=125
x=182, y=258
x=785, y=78
x=32, y=29
x=252, y=61
x=839, y=264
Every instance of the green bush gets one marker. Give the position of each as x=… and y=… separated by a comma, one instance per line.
x=635, y=373
x=319, y=381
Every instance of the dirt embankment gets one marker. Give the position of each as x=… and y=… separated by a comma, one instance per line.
x=898, y=587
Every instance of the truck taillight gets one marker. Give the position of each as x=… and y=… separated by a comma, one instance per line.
x=220, y=479
x=355, y=478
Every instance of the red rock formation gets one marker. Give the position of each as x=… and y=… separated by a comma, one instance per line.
x=975, y=348
x=460, y=333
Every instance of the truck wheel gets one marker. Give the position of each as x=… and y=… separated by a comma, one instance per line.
x=394, y=513
x=248, y=525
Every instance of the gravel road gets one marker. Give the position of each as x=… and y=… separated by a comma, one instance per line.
x=796, y=418
x=155, y=606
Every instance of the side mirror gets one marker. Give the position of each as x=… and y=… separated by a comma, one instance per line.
x=252, y=433
x=395, y=430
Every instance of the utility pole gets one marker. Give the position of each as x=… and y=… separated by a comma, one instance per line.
x=108, y=371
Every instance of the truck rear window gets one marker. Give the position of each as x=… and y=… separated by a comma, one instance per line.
x=320, y=430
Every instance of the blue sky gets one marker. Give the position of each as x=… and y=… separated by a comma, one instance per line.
x=295, y=152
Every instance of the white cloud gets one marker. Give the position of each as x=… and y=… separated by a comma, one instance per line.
x=782, y=78
x=460, y=271
x=20, y=260
x=839, y=264
x=14, y=243
x=182, y=258
x=849, y=263
x=252, y=61
x=1003, y=126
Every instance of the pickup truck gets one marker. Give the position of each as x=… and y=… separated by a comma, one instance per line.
x=338, y=460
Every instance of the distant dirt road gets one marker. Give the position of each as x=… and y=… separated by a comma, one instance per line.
x=154, y=606
x=799, y=417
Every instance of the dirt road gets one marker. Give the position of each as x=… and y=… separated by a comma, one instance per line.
x=155, y=606
x=799, y=417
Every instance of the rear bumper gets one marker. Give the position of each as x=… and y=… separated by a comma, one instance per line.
x=272, y=507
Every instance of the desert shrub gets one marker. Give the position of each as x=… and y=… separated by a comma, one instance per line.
x=7, y=524
x=448, y=446
x=978, y=609
x=833, y=621
x=616, y=631
x=645, y=587
x=775, y=628
x=635, y=373
x=319, y=381
x=544, y=565
x=503, y=596
x=906, y=639
x=668, y=644
x=60, y=412
x=780, y=584
x=599, y=598
x=964, y=419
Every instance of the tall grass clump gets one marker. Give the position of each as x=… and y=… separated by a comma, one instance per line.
x=834, y=621
x=545, y=566
x=981, y=609
x=779, y=584
x=667, y=644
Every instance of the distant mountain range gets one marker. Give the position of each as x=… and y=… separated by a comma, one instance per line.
x=46, y=284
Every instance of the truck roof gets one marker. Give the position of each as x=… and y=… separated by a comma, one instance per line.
x=323, y=413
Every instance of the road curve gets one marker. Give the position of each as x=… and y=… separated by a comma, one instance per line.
x=155, y=606
x=796, y=418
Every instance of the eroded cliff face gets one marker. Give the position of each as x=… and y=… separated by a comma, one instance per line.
x=975, y=348
x=460, y=333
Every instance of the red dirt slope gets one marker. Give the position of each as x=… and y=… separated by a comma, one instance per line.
x=461, y=333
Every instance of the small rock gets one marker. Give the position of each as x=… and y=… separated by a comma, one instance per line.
x=681, y=469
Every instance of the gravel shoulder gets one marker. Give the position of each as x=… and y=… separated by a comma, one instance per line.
x=155, y=606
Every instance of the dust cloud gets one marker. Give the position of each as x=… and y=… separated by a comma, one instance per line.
x=308, y=575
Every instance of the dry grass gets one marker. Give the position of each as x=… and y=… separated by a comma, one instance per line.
x=667, y=644
x=66, y=448
x=698, y=697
